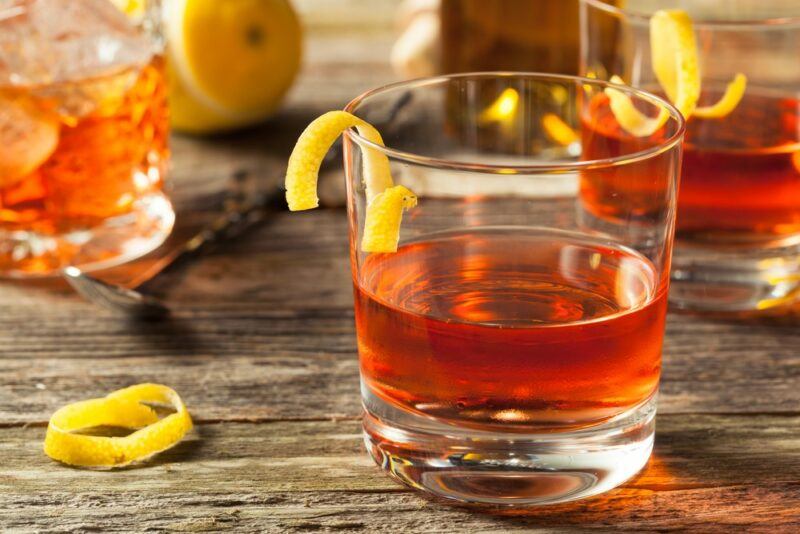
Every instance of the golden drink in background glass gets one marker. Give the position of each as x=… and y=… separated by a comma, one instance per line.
x=84, y=124
x=517, y=35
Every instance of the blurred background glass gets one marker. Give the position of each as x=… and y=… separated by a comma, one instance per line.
x=515, y=35
x=738, y=223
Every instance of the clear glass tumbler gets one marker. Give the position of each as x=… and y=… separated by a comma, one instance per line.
x=510, y=350
x=738, y=227
x=83, y=135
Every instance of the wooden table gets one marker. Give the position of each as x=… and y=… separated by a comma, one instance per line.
x=262, y=349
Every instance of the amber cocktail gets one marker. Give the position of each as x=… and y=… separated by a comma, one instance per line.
x=505, y=327
x=510, y=348
x=84, y=124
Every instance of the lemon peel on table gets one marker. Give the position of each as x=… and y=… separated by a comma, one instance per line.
x=385, y=201
x=676, y=67
x=124, y=408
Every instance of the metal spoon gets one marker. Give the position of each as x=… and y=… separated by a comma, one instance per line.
x=128, y=300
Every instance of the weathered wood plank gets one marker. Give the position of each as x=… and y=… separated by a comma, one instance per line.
x=267, y=320
x=708, y=471
x=263, y=331
x=768, y=509
x=233, y=364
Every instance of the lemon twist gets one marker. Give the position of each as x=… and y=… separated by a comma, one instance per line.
x=676, y=67
x=559, y=131
x=125, y=408
x=730, y=99
x=385, y=201
x=384, y=214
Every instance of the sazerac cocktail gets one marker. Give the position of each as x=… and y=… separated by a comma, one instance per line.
x=509, y=341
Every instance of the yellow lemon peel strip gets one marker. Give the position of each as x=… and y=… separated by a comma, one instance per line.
x=502, y=109
x=675, y=64
x=123, y=408
x=733, y=95
x=558, y=130
x=303, y=171
x=629, y=118
x=673, y=50
x=311, y=147
x=384, y=214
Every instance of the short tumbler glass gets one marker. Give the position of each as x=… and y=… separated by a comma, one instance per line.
x=83, y=135
x=510, y=350
x=738, y=226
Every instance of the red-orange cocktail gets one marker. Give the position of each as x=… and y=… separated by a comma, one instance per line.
x=510, y=348
x=737, y=245
x=511, y=328
x=742, y=184
x=741, y=176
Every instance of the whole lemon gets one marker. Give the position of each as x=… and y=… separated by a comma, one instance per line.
x=230, y=62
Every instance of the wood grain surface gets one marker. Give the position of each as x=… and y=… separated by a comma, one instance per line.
x=262, y=348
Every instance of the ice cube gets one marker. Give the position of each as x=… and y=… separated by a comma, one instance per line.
x=64, y=42
x=73, y=100
x=28, y=137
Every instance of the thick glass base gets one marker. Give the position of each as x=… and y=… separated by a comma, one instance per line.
x=735, y=280
x=508, y=469
x=28, y=254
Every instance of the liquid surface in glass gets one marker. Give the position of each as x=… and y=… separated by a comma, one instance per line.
x=511, y=326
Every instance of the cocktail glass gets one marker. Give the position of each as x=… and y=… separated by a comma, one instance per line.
x=510, y=349
x=738, y=227
x=83, y=135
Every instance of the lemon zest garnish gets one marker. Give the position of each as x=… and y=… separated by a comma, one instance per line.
x=676, y=67
x=629, y=118
x=674, y=57
x=558, y=130
x=124, y=408
x=502, y=109
x=384, y=214
x=725, y=105
x=315, y=141
x=303, y=171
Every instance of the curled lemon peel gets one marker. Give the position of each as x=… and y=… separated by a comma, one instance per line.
x=629, y=118
x=502, y=109
x=558, y=130
x=384, y=214
x=125, y=408
x=725, y=105
x=673, y=51
x=676, y=67
x=382, y=225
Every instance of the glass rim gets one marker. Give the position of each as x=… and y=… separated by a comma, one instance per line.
x=528, y=168
x=710, y=23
